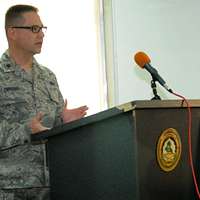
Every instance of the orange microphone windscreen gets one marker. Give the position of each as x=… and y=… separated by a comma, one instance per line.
x=141, y=59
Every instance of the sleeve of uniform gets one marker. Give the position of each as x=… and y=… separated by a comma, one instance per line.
x=13, y=134
x=56, y=95
x=60, y=107
x=14, y=129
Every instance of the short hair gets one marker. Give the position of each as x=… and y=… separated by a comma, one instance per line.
x=14, y=14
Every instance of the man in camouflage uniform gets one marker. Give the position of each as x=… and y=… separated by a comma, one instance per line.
x=30, y=102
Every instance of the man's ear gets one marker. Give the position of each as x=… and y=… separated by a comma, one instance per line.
x=11, y=33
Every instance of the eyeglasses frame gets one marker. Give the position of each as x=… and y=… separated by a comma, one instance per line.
x=31, y=28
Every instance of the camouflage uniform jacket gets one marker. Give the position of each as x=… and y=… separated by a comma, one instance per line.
x=22, y=95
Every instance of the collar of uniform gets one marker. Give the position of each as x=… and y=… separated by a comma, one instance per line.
x=8, y=64
x=38, y=70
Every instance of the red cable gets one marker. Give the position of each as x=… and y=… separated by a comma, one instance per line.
x=190, y=142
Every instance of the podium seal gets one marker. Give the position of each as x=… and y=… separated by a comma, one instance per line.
x=169, y=149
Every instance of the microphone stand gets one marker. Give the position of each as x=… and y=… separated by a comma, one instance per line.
x=153, y=86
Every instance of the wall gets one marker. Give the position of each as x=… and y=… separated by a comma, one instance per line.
x=168, y=31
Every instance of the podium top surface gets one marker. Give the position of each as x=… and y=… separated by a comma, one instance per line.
x=134, y=105
x=165, y=103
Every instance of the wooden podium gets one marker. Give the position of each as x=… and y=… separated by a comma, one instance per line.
x=114, y=154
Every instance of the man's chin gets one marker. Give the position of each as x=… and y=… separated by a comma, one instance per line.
x=37, y=51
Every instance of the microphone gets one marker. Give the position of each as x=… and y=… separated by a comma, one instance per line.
x=144, y=62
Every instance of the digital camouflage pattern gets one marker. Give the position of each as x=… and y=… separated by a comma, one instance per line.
x=22, y=96
x=25, y=194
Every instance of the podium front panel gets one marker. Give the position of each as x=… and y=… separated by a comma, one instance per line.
x=96, y=161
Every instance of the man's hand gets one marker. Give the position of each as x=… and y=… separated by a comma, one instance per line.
x=69, y=115
x=35, y=124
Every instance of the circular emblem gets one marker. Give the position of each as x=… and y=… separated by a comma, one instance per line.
x=168, y=149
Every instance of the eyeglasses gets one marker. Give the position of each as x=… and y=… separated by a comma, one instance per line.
x=34, y=28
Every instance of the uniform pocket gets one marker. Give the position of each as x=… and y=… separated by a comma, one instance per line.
x=53, y=91
x=12, y=103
